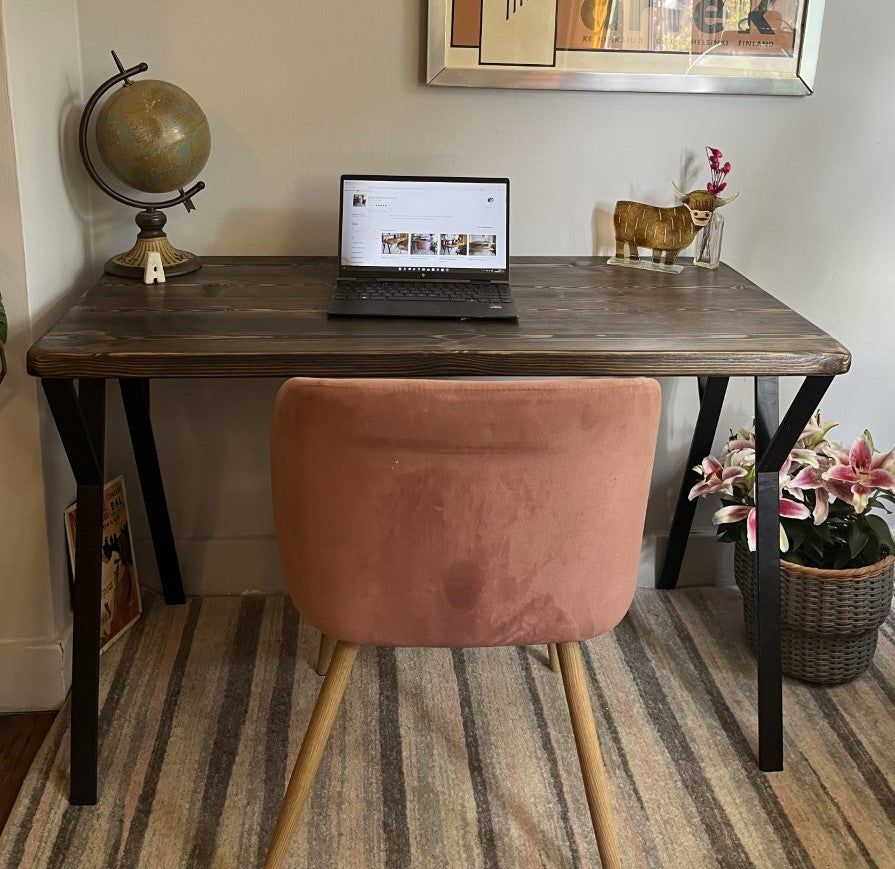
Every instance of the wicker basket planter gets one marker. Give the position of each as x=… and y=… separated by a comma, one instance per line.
x=829, y=618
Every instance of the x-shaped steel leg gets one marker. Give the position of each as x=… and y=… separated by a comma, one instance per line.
x=135, y=394
x=773, y=443
x=80, y=417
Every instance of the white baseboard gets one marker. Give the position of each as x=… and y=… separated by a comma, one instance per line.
x=35, y=672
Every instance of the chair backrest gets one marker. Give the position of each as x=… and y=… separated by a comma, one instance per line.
x=457, y=513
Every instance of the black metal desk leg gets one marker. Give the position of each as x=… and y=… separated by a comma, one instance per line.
x=135, y=394
x=711, y=398
x=80, y=419
x=772, y=446
x=767, y=556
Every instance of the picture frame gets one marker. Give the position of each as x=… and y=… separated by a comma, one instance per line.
x=668, y=46
x=120, y=601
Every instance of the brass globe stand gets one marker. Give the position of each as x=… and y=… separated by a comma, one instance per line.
x=150, y=220
x=152, y=238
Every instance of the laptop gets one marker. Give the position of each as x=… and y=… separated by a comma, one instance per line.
x=423, y=247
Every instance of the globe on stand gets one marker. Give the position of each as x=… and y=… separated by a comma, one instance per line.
x=154, y=137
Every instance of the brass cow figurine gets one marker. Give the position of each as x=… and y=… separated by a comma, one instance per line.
x=664, y=230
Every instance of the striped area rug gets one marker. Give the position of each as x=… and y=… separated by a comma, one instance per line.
x=463, y=758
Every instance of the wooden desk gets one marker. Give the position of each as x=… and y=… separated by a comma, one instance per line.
x=265, y=317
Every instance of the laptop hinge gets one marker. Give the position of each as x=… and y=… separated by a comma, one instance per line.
x=426, y=279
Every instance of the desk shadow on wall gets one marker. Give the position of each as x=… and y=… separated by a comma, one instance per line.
x=706, y=562
x=680, y=406
x=213, y=441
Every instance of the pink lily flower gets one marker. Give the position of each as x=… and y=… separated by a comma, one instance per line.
x=812, y=478
x=861, y=474
x=738, y=512
x=887, y=462
x=715, y=478
x=842, y=491
x=836, y=451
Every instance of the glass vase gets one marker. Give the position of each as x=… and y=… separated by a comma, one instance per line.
x=707, y=250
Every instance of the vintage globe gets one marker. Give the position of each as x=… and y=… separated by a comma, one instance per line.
x=153, y=136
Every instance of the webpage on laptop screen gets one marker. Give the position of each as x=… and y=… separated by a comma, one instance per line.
x=424, y=224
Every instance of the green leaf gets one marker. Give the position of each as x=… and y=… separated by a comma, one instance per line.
x=796, y=532
x=858, y=536
x=841, y=559
x=871, y=553
x=4, y=325
x=869, y=439
x=729, y=534
x=881, y=531
x=814, y=551
x=841, y=508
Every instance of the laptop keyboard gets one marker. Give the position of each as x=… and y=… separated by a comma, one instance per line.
x=441, y=291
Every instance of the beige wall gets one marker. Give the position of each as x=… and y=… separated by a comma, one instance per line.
x=20, y=472
x=44, y=240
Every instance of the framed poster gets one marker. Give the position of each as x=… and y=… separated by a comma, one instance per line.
x=687, y=46
x=120, y=604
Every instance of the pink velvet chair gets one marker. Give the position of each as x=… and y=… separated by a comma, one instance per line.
x=451, y=514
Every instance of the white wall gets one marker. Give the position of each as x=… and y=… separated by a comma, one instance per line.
x=298, y=92
x=44, y=240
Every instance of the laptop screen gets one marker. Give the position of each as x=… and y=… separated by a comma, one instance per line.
x=424, y=226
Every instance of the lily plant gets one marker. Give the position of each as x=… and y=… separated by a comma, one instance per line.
x=827, y=494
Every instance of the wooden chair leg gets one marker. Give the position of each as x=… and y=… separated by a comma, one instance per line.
x=325, y=653
x=592, y=769
x=311, y=751
x=554, y=658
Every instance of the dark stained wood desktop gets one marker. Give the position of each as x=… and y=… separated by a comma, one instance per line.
x=578, y=316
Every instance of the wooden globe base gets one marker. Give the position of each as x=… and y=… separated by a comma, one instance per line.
x=132, y=263
x=175, y=262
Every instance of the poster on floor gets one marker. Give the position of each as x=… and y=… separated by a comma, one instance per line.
x=120, y=604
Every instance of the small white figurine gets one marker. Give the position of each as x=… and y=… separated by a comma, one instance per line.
x=154, y=273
